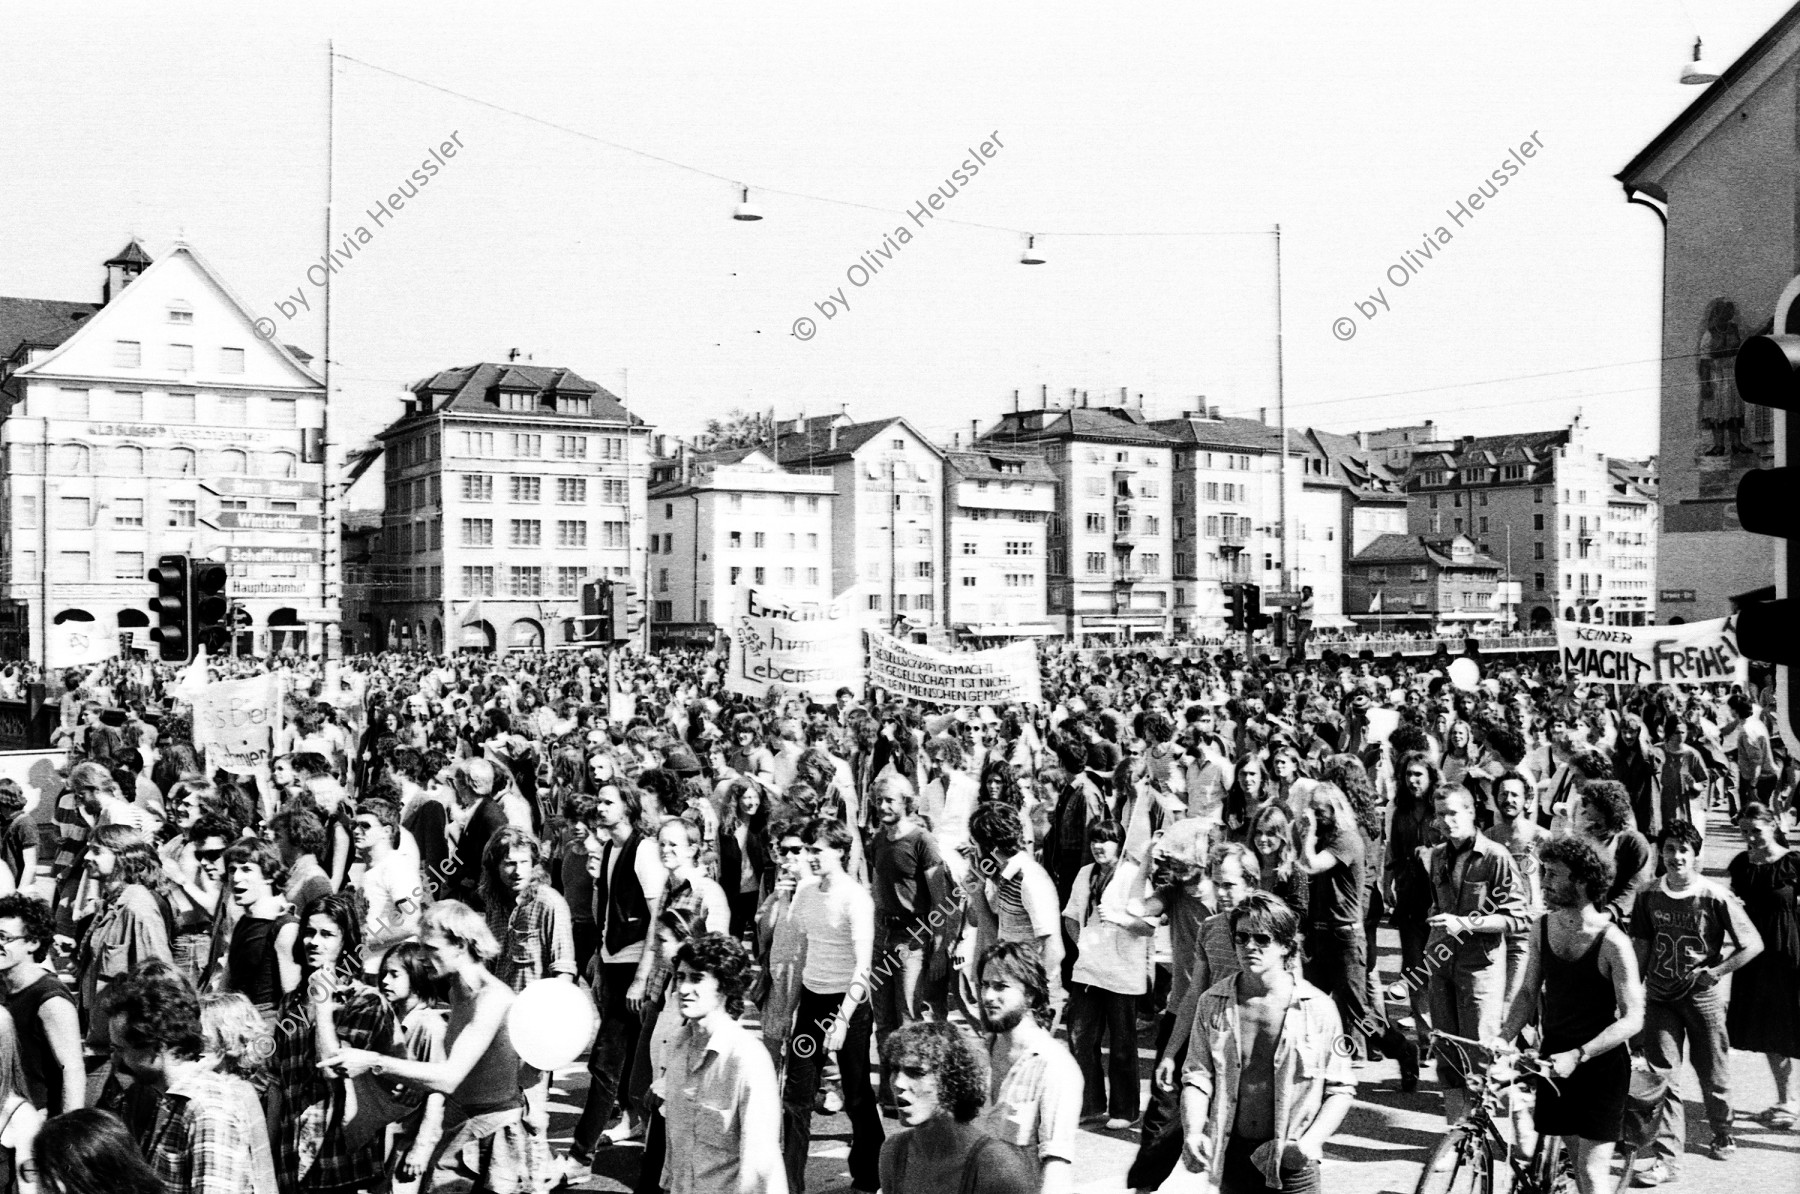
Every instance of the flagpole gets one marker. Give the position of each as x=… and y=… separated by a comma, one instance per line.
x=329, y=561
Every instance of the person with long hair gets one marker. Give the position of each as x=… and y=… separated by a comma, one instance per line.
x=132, y=921
x=940, y=1086
x=237, y=1046
x=85, y=1151
x=332, y=1009
x=479, y=1074
x=1406, y=887
x=1764, y=1016
x=1244, y=798
x=744, y=864
x=1332, y=853
x=411, y=986
x=1271, y=839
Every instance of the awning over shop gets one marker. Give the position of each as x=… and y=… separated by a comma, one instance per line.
x=1340, y=622
x=986, y=630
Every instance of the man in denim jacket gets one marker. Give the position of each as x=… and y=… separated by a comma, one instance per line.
x=1274, y=1080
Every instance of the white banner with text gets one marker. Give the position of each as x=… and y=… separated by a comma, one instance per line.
x=998, y=677
x=803, y=644
x=1692, y=653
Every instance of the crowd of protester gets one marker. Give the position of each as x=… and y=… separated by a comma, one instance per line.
x=943, y=922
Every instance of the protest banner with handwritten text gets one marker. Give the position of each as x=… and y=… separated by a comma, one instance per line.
x=1693, y=653
x=997, y=677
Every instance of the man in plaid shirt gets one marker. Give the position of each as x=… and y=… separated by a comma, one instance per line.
x=200, y=1140
x=529, y=918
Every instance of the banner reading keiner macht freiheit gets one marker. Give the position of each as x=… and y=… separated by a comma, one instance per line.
x=1692, y=653
x=996, y=677
x=800, y=643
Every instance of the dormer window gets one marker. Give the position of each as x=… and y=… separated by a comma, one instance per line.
x=1437, y=478
x=566, y=405
x=1513, y=472
x=516, y=401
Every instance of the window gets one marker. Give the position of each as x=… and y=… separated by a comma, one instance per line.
x=612, y=447
x=75, y=565
x=922, y=569
x=968, y=548
x=614, y=534
x=182, y=512
x=1096, y=562
x=128, y=512
x=129, y=565
x=1096, y=523
x=572, y=489
x=734, y=539
x=477, y=487
x=1537, y=495
x=568, y=581
x=735, y=574
x=516, y=401
x=128, y=354
x=788, y=576
x=478, y=532
x=527, y=445
x=812, y=505
x=736, y=501
x=72, y=514
x=1378, y=576
x=614, y=492
x=477, y=443
x=1537, y=522
x=1484, y=529
x=968, y=582
x=759, y=576
x=128, y=460
x=181, y=357
x=231, y=360
x=179, y=312
x=1150, y=563
x=1018, y=547
x=1420, y=572
x=284, y=412
x=571, y=533
x=526, y=581
x=758, y=540
x=1537, y=551
x=874, y=600
x=812, y=577
x=1538, y=578
x=526, y=532
x=527, y=489
x=571, y=447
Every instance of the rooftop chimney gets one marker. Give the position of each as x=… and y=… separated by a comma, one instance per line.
x=1044, y=396
x=1362, y=440
x=123, y=270
x=831, y=438
x=974, y=431
x=1125, y=399
x=1262, y=415
x=955, y=440
x=1015, y=402
x=1084, y=400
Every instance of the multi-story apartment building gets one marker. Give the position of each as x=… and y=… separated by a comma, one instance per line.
x=1536, y=502
x=1348, y=499
x=1629, y=543
x=722, y=522
x=1111, y=541
x=997, y=510
x=886, y=528
x=1396, y=446
x=1422, y=583
x=1226, y=502
x=508, y=485
x=156, y=421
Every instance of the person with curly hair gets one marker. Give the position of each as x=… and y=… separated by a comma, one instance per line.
x=43, y=1009
x=940, y=1085
x=1582, y=975
x=722, y=1117
x=1602, y=814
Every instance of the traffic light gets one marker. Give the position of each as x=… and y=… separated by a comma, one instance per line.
x=173, y=607
x=212, y=605
x=597, y=611
x=632, y=625
x=1234, y=606
x=1768, y=500
x=1254, y=618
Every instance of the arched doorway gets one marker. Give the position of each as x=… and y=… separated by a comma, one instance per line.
x=476, y=636
x=525, y=635
x=286, y=631
x=437, y=637
x=1568, y=613
x=392, y=638
x=134, y=622
x=1541, y=618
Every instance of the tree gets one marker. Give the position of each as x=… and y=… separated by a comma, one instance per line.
x=738, y=429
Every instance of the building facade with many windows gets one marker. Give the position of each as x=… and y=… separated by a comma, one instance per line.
x=1111, y=541
x=158, y=421
x=724, y=522
x=997, y=511
x=1226, y=498
x=508, y=486
x=1408, y=583
x=1630, y=542
x=887, y=526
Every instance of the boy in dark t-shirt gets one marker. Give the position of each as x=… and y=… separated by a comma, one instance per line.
x=19, y=842
x=1681, y=928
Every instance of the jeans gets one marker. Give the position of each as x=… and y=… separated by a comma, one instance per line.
x=1159, y=1144
x=804, y=1060
x=1336, y=963
x=610, y=1060
x=1238, y=1174
x=1468, y=998
x=899, y=976
x=1699, y=1021
x=1093, y=1011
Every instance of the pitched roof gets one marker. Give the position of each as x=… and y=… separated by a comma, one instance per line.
x=1241, y=434
x=466, y=391
x=1102, y=424
x=41, y=323
x=1418, y=549
x=131, y=254
x=1352, y=466
x=984, y=465
x=1534, y=448
x=813, y=446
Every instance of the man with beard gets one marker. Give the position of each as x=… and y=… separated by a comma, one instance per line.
x=1036, y=1083
x=1583, y=974
x=474, y=781
x=201, y=1138
x=1517, y=829
x=909, y=885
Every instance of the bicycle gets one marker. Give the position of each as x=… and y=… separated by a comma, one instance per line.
x=1476, y=1157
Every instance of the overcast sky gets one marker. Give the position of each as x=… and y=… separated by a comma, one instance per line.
x=1354, y=126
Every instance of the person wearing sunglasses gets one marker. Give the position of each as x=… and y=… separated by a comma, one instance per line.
x=1283, y=1040
x=781, y=940
x=196, y=871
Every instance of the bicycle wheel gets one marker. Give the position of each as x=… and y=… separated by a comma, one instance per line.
x=1460, y=1164
x=1553, y=1168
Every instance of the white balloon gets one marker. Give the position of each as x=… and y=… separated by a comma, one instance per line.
x=551, y=1023
x=1465, y=673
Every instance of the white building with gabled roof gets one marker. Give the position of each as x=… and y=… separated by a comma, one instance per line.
x=156, y=421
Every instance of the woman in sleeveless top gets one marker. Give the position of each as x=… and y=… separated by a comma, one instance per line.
x=480, y=1072
x=19, y=1120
